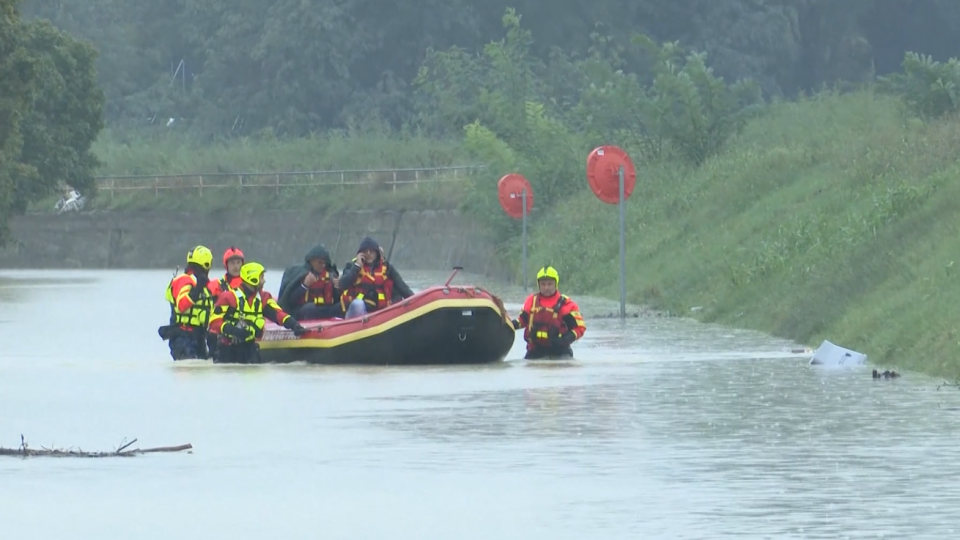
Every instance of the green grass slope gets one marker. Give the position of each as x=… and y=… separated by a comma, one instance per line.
x=168, y=153
x=828, y=218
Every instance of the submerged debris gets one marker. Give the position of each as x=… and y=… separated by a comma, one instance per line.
x=885, y=374
x=25, y=451
x=829, y=354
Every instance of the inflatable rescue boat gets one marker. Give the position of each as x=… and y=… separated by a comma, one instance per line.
x=438, y=325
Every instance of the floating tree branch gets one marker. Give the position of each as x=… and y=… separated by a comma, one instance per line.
x=122, y=451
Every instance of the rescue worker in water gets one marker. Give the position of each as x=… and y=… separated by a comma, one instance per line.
x=551, y=321
x=238, y=317
x=232, y=261
x=190, y=304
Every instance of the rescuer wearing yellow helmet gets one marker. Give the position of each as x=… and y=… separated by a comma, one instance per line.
x=551, y=321
x=190, y=304
x=238, y=317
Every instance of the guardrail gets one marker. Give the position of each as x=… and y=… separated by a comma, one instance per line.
x=383, y=178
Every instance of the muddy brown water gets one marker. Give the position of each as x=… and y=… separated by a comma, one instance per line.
x=662, y=428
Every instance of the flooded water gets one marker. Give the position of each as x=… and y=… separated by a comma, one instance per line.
x=663, y=428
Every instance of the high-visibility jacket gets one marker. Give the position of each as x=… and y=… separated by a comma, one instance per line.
x=183, y=310
x=236, y=308
x=226, y=283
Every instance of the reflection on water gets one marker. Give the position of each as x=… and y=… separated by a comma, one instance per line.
x=661, y=429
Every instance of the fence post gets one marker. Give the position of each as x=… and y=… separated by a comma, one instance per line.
x=278, y=184
x=201, y=184
x=156, y=186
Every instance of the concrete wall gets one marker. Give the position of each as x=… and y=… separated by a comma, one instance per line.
x=425, y=240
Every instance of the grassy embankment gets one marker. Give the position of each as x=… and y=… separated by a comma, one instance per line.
x=172, y=154
x=830, y=218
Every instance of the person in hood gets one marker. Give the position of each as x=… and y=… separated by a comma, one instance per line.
x=310, y=291
x=369, y=282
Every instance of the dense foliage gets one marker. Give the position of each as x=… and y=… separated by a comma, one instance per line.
x=662, y=78
x=295, y=67
x=50, y=111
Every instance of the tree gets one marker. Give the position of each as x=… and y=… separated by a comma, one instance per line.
x=50, y=112
x=16, y=78
x=66, y=116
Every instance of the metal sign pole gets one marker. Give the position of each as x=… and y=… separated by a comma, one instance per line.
x=525, y=276
x=623, y=251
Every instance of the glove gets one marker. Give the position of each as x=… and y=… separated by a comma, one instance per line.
x=293, y=324
x=516, y=324
x=554, y=337
x=568, y=338
x=235, y=331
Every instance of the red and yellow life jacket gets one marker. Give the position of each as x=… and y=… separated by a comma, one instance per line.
x=248, y=311
x=543, y=320
x=321, y=292
x=224, y=284
x=184, y=311
x=372, y=286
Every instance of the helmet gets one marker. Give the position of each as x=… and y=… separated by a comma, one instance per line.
x=231, y=253
x=549, y=272
x=200, y=256
x=252, y=274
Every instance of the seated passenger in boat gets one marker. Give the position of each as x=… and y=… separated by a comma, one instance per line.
x=310, y=291
x=369, y=282
x=551, y=321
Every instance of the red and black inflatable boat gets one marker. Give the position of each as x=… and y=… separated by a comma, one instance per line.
x=438, y=325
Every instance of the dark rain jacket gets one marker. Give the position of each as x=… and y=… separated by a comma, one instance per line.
x=293, y=277
x=400, y=288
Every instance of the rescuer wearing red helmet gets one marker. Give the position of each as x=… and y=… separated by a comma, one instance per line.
x=551, y=321
x=232, y=261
